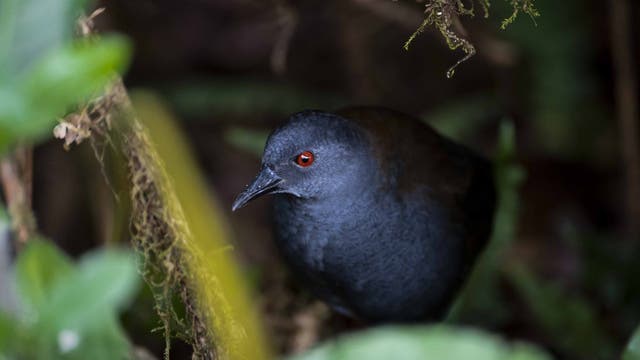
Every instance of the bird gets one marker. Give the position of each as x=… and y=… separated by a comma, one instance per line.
x=376, y=213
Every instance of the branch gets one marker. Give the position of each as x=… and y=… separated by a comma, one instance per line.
x=627, y=109
x=15, y=176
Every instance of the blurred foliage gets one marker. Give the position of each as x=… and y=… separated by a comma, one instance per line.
x=67, y=310
x=4, y=219
x=43, y=72
x=632, y=352
x=481, y=294
x=460, y=118
x=252, y=141
x=243, y=98
x=564, y=93
x=7, y=296
x=410, y=343
x=202, y=237
x=570, y=320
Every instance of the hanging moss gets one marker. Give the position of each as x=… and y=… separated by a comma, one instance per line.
x=524, y=6
x=444, y=15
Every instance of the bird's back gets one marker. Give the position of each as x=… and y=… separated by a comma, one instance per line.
x=413, y=154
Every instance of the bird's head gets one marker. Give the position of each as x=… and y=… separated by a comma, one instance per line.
x=313, y=155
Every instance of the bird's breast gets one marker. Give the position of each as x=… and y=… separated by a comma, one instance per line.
x=384, y=260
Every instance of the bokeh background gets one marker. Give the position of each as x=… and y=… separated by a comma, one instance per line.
x=233, y=70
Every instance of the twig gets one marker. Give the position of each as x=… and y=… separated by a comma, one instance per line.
x=288, y=21
x=16, y=184
x=626, y=96
x=8, y=301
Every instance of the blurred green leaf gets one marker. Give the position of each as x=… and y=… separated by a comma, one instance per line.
x=30, y=28
x=38, y=270
x=460, y=118
x=55, y=83
x=103, y=340
x=221, y=96
x=72, y=311
x=104, y=282
x=632, y=352
x=9, y=330
x=80, y=69
x=252, y=141
x=3, y=214
x=410, y=343
x=481, y=295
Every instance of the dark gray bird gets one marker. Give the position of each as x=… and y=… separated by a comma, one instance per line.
x=380, y=216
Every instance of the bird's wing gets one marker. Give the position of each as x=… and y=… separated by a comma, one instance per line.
x=412, y=154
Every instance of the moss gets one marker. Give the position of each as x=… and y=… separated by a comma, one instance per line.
x=524, y=6
x=444, y=15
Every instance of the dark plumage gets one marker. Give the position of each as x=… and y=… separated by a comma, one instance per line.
x=376, y=213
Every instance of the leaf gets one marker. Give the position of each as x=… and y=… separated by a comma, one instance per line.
x=198, y=98
x=31, y=28
x=73, y=310
x=409, y=343
x=38, y=269
x=632, y=352
x=9, y=330
x=103, y=340
x=58, y=81
x=103, y=282
x=481, y=294
x=249, y=140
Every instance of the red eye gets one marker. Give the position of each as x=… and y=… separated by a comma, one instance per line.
x=305, y=159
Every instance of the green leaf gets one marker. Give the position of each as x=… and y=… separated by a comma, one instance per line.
x=57, y=82
x=73, y=310
x=31, y=28
x=103, y=340
x=4, y=219
x=39, y=268
x=481, y=293
x=104, y=282
x=632, y=352
x=222, y=96
x=9, y=330
x=80, y=70
x=409, y=343
x=252, y=141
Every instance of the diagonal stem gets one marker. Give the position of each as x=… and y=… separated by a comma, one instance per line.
x=627, y=109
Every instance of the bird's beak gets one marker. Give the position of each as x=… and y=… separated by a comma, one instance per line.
x=265, y=183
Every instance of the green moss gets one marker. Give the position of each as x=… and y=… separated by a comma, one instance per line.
x=444, y=15
x=524, y=6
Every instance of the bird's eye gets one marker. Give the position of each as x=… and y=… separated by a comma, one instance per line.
x=305, y=159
